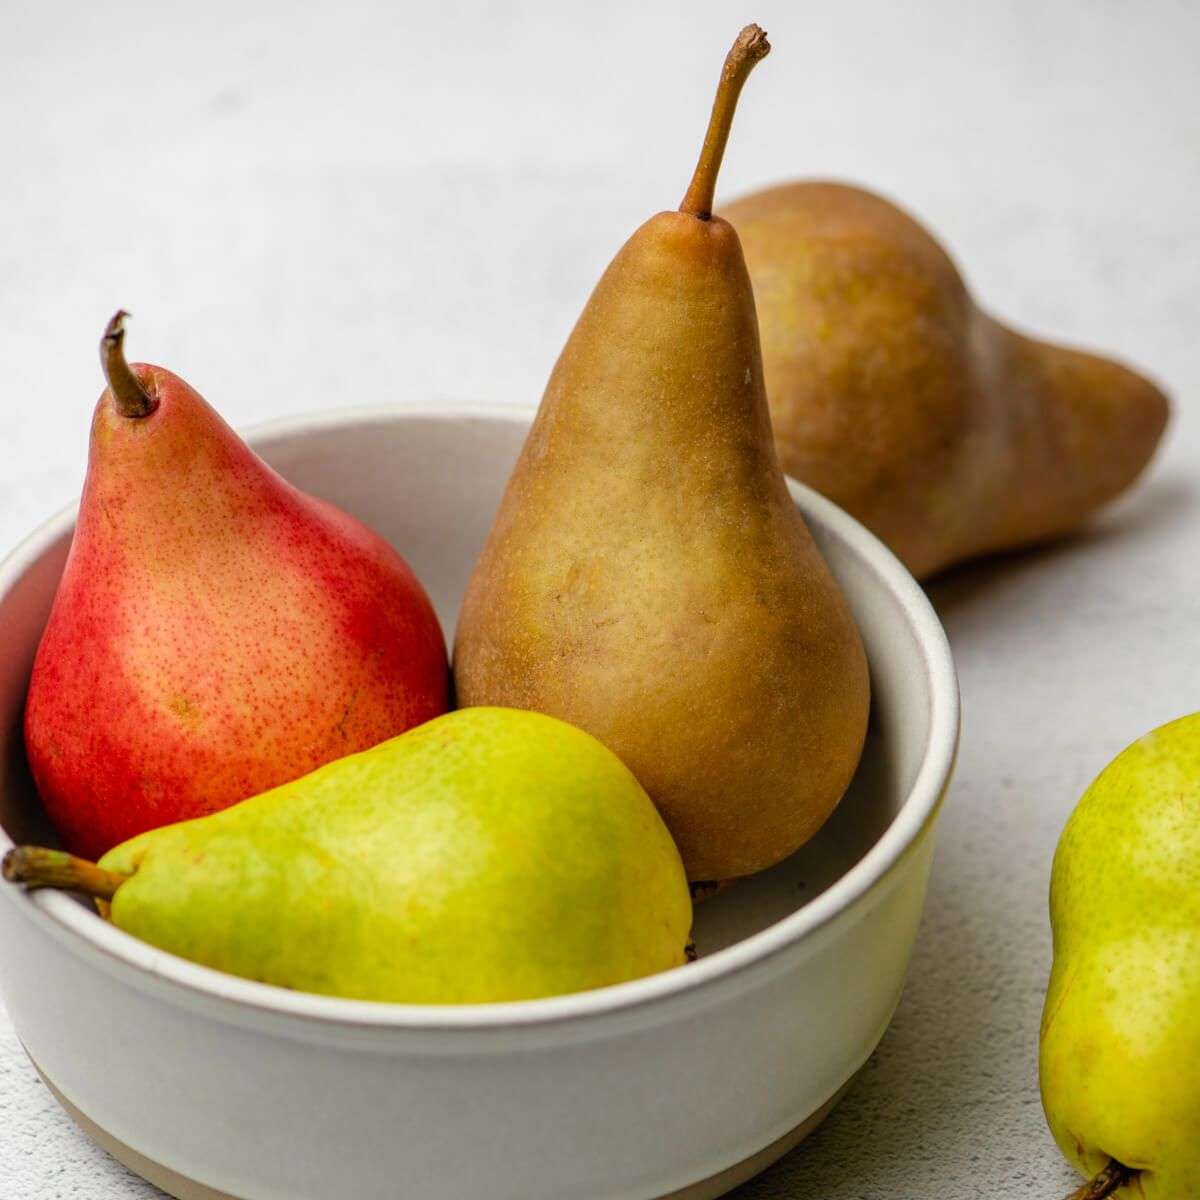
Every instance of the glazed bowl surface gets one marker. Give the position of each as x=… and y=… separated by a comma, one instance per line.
x=680, y=1085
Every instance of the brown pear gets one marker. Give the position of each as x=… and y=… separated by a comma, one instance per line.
x=894, y=394
x=648, y=577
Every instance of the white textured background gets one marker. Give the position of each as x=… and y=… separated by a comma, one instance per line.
x=320, y=205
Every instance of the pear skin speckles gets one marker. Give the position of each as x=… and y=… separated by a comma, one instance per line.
x=216, y=632
x=1121, y=1024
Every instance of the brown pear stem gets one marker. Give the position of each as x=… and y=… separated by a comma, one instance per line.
x=131, y=397
x=751, y=45
x=38, y=867
x=1114, y=1176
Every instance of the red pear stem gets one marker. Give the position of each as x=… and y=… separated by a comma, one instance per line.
x=751, y=45
x=38, y=867
x=1115, y=1176
x=131, y=397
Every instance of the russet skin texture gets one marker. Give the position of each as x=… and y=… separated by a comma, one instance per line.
x=947, y=434
x=489, y=855
x=1120, y=1038
x=648, y=577
x=216, y=631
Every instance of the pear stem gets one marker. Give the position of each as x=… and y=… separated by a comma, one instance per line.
x=38, y=867
x=751, y=45
x=1114, y=1176
x=131, y=397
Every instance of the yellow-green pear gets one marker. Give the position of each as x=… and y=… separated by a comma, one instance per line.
x=487, y=855
x=649, y=578
x=1120, y=1038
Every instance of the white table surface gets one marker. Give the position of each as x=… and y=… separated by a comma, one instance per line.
x=324, y=205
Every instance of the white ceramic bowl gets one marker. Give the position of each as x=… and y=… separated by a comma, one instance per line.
x=683, y=1084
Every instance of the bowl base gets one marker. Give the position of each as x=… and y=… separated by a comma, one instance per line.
x=182, y=1188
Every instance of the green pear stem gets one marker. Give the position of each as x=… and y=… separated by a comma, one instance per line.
x=1114, y=1176
x=38, y=867
x=751, y=45
x=131, y=397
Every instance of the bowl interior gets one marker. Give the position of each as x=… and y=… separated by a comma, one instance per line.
x=430, y=483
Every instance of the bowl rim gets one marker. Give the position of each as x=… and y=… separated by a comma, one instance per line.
x=916, y=813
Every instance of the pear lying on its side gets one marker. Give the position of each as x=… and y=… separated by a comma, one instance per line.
x=487, y=855
x=1120, y=1038
x=892, y=393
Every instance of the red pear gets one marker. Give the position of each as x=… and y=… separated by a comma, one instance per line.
x=216, y=631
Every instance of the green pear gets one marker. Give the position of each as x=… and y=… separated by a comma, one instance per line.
x=487, y=855
x=1120, y=1038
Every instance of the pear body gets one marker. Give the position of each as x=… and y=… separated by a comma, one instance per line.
x=487, y=855
x=946, y=433
x=1120, y=1037
x=648, y=577
x=216, y=631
